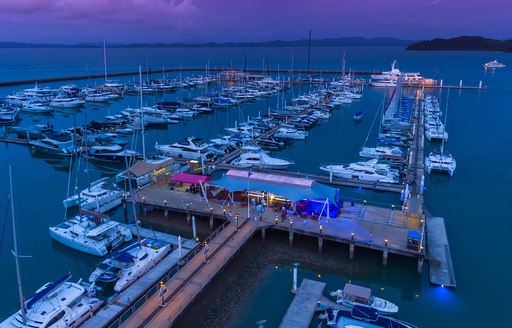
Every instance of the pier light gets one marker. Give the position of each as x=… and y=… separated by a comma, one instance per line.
x=124, y=196
x=364, y=202
x=211, y=210
x=291, y=223
x=386, y=242
x=382, y=288
x=321, y=228
x=224, y=212
x=165, y=202
x=276, y=220
x=393, y=207
x=352, y=236
x=319, y=275
x=188, y=206
x=161, y=283
x=143, y=199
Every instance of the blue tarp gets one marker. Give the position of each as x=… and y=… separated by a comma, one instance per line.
x=291, y=192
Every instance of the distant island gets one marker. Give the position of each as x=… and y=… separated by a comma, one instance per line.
x=336, y=42
x=470, y=43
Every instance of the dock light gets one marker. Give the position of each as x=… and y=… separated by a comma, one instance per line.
x=319, y=276
x=211, y=210
x=143, y=199
x=364, y=202
x=393, y=207
x=165, y=202
x=382, y=288
x=291, y=223
x=188, y=206
x=276, y=220
x=352, y=236
x=161, y=283
x=386, y=242
x=124, y=196
x=224, y=212
x=442, y=286
x=405, y=207
x=321, y=228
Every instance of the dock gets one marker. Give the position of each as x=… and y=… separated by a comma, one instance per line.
x=304, y=304
x=438, y=253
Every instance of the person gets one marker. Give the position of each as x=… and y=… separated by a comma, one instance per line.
x=229, y=216
x=253, y=202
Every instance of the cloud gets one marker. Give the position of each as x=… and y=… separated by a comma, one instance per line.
x=163, y=13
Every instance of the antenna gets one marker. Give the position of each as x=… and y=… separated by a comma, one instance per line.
x=105, y=59
x=445, y=116
x=142, y=115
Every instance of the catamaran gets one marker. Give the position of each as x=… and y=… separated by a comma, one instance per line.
x=91, y=233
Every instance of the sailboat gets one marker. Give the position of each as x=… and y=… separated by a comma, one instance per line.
x=60, y=303
x=92, y=232
x=441, y=160
x=150, y=168
x=124, y=267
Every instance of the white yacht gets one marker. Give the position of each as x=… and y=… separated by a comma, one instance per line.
x=9, y=115
x=111, y=153
x=357, y=295
x=384, y=83
x=494, y=64
x=92, y=233
x=32, y=106
x=57, y=304
x=261, y=160
x=97, y=97
x=434, y=133
x=65, y=102
x=363, y=171
x=440, y=161
x=56, y=147
x=129, y=264
x=380, y=152
x=99, y=197
x=290, y=133
x=394, y=74
x=190, y=148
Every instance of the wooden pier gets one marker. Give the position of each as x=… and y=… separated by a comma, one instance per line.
x=304, y=304
x=439, y=257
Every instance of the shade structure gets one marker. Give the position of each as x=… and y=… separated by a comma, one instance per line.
x=291, y=188
x=189, y=178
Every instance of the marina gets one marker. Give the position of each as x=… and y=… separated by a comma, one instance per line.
x=361, y=226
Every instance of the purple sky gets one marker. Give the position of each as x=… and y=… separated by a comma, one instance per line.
x=73, y=21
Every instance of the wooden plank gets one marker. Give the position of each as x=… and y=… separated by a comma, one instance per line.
x=304, y=304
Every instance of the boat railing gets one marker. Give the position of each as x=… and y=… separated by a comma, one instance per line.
x=119, y=320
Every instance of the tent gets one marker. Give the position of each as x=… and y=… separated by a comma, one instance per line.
x=190, y=178
x=292, y=188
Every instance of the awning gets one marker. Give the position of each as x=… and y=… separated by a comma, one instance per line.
x=291, y=188
x=190, y=178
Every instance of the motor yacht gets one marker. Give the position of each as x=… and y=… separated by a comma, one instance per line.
x=65, y=102
x=190, y=148
x=111, y=153
x=55, y=147
x=494, y=64
x=262, y=161
x=91, y=233
x=379, y=152
x=125, y=266
x=362, y=171
x=290, y=133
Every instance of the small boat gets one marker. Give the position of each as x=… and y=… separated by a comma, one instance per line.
x=494, y=64
x=91, y=233
x=379, y=152
x=358, y=116
x=9, y=115
x=129, y=264
x=352, y=295
x=55, y=147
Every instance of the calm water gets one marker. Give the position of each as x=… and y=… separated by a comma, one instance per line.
x=474, y=202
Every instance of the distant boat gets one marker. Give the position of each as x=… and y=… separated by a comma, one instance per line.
x=494, y=64
x=358, y=116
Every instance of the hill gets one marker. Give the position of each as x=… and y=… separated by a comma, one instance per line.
x=335, y=42
x=464, y=43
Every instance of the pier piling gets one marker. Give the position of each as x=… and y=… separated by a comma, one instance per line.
x=419, y=270
x=351, y=251
x=385, y=258
x=320, y=244
x=290, y=237
x=262, y=233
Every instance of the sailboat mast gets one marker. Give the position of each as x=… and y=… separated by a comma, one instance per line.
x=309, y=50
x=18, y=271
x=142, y=115
x=105, y=59
x=445, y=116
